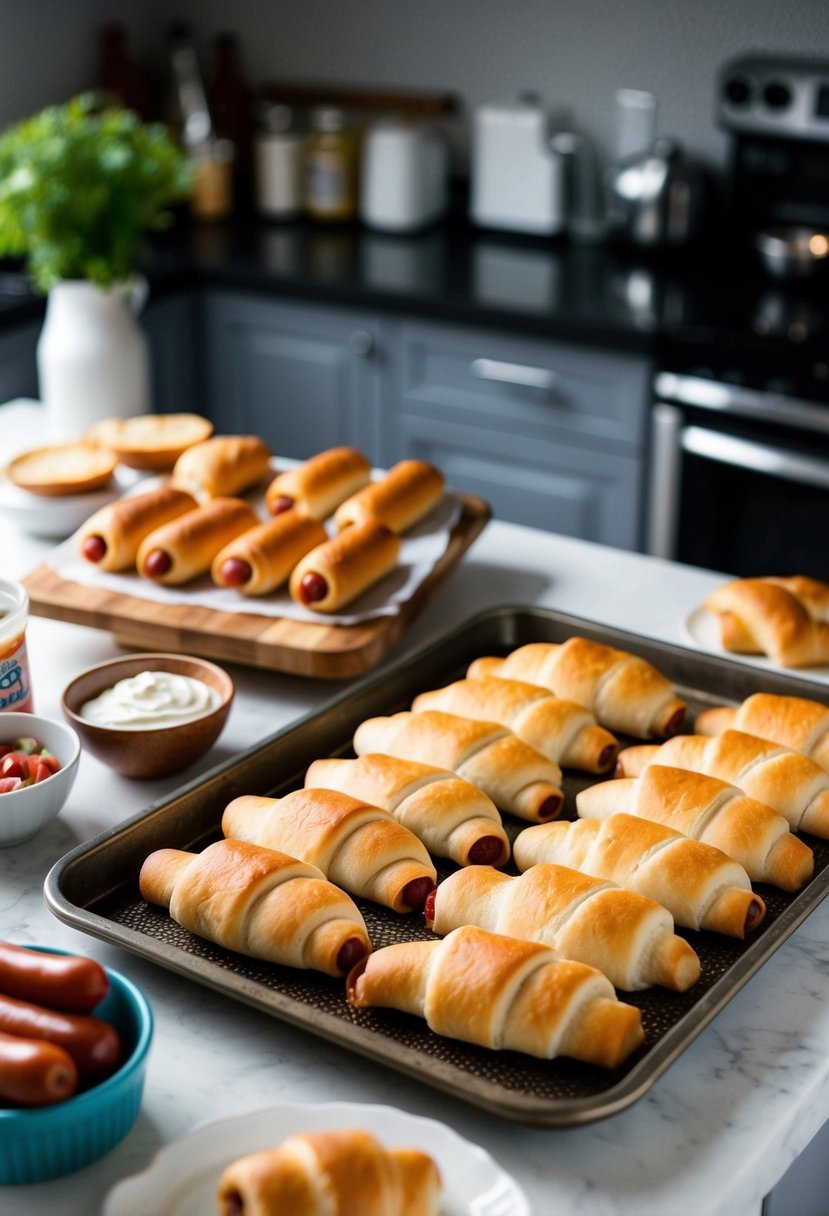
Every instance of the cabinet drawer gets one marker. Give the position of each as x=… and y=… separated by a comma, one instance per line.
x=538, y=387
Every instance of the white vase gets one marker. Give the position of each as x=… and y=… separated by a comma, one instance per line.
x=92, y=356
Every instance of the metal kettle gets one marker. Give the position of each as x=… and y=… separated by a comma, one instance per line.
x=657, y=198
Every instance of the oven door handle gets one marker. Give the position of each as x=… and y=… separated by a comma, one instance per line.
x=756, y=457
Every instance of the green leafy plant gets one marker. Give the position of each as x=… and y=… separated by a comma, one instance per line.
x=79, y=187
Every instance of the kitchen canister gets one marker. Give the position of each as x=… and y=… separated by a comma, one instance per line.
x=405, y=176
x=15, y=682
x=279, y=162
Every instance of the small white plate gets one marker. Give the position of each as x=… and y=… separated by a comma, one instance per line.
x=703, y=629
x=182, y=1178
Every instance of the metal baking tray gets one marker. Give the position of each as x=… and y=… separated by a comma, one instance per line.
x=94, y=888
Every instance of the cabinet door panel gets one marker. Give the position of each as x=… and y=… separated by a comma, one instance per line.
x=18, y=368
x=170, y=326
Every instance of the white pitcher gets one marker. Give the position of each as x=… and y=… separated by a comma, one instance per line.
x=92, y=356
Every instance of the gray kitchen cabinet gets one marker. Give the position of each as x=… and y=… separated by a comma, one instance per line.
x=171, y=326
x=303, y=376
x=551, y=434
x=18, y=369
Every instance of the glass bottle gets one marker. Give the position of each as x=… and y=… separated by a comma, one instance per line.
x=230, y=101
x=331, y=171
x=120, y=79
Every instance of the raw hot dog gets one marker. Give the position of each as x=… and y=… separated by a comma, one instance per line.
x=34, y=1073
x=93, y=1044
x=61, y=981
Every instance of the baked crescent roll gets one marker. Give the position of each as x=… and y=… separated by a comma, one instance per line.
x=451, y=816
x=787, y=781
x=622, y=933
x=399, y=500
x=335, y=572
x=317, y=487
x=358, y=846
x=501, y=993
x=786, y=619
x=260, y=903
x=110, y=538
x=260, y=560
x=561, y=730
x=794, y=722
x=328, y=1173
x=222, y=466
x=181, y=550
x=747, y=831
x=698, y=884
x=514, y=775
x=625, y=693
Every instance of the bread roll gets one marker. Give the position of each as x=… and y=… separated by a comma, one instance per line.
x=150, y=441
x=260, y=560
x=778, y=619
x=340, y=569
x=406, y=494
x=317, y=487
x=795, y=722
x=181, y=550
x=503, y=994
x=110, y=538
x=222, y=467
x=62, y=469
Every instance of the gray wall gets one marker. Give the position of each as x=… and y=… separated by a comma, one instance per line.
x=575, y=52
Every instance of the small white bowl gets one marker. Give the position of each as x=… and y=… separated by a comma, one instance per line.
x=25, y=811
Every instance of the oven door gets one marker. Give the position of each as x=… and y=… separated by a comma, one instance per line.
x=736, y=497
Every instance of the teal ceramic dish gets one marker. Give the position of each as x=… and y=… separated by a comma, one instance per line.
x=45, y=1142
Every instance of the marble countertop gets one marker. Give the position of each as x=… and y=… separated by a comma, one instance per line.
x=714, y=1133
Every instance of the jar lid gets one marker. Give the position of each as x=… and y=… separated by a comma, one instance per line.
x=277, y=119
x=328, y=118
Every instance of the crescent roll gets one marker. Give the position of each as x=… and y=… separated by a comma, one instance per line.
x=222, y=466
x=181, y=550
x=324, y=1173
x=787, y=781
x=358, y=846
x=625, y=693
x=624, y=934
x=399, y=500
x=514, y=775
x=794, y=722
x=260, y=903
x=501, y=993
x=260, y=560
x=335, y=572
x=698, y=884
x=451, y=816
x=561, y=730
x=317, y=487
x=110, y=538
x=786, y=619
x=747, y=831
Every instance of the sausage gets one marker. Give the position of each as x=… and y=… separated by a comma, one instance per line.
x=487, y=851
x=157, y=563
x=350, y=953
x=416, y=892
x=93, y=1044
x=94, y=548
x=61, y=981
x=312, y=588
x=34, y=1073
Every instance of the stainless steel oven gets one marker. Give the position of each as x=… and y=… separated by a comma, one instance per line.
x=739, y=477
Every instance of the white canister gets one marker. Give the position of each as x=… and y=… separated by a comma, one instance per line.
x=15, y=681
x=279, y=165
x=405, y=176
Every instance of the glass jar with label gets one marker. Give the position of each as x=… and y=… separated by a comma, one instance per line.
x=331, y=171
x=280, y=165
x=15, y=682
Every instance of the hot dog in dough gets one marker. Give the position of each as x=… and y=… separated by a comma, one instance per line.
x=110, y=538
x=222, y=466
x=317, y=487
x=183, y=549
x=337, y=571
x=407, y=492
x=259, y=561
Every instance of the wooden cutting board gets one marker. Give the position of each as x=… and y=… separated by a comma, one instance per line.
x=325, y=652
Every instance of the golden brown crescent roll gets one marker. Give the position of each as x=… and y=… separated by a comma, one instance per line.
x=625, y=693
x=778, y=620
x=795, y=722
x=110, y=538
x=150, y=441
x=335, y=572
x=184, y=548
x=317, y=487
x=451, y=816
x=260, y=560
x=514, y=775
x=624, y=934
x=747, y=831
x=258, y=902
x=358, y=846
x=789, y=782
x=222, y=466
x=561, y=730
x=328, y=1174
x=698, y=884
x=399, y=500
x=501, y=993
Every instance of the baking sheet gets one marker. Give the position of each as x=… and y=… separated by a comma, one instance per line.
x=94, y=889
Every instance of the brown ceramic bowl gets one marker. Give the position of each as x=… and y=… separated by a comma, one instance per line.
x=148, y=753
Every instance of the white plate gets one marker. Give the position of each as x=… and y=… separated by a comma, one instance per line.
x=58, y=517
x=182, y=1178
x=703, y=629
